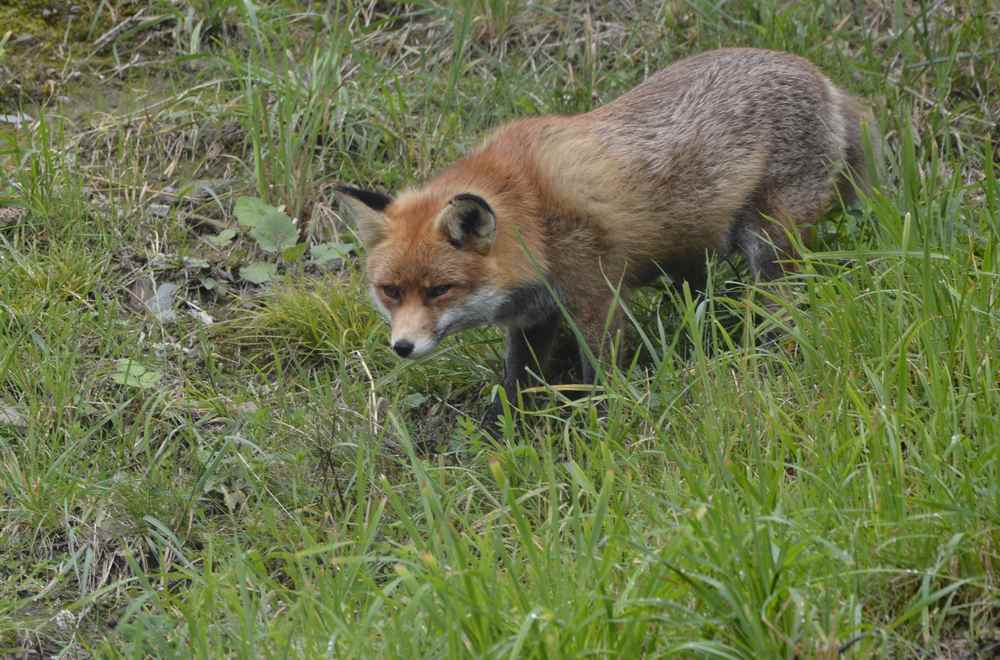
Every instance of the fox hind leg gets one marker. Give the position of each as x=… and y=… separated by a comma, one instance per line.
x=693, y=272
x=598, y=331
x=763, y=243
x=761, y=246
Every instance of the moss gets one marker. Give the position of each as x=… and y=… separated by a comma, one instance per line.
x=47, y=21
x=41, y=33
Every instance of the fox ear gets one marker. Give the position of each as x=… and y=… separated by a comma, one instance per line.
x=468, y=222
x=367, y=209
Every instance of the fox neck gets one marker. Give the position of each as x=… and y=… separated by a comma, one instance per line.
x=527, y=305
x=517, y=307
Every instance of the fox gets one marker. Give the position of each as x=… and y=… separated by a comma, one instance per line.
x=729, y=151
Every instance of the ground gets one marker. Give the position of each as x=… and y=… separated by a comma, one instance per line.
x=206, y=447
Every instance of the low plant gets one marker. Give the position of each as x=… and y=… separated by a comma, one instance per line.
x=276, y=234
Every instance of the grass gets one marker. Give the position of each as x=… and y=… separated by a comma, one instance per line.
x=278, y=484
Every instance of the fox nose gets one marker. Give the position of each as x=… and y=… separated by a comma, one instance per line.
x=403, y=347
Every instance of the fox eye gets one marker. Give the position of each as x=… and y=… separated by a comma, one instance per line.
x=438, y=291
x=391, y=291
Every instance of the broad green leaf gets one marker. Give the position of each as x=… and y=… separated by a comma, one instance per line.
x=259, y=272
x=270, y=227
x=251, y=210
x=324, y=253
x=132, y=374
x=294, y=253
x=223, y=238
x=275, y=232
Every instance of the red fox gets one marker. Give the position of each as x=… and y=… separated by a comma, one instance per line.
x=721, y=152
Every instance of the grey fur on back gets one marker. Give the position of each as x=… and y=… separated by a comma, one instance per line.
x=701, y=116
x=732, y=135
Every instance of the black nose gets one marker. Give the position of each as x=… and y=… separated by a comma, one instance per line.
x=403, y=347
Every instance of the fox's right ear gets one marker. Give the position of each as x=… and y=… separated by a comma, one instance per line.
x=367, y=209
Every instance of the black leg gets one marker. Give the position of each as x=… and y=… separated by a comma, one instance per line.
x=526, y=348
x=762, y=251
x=759, y=247
x=692, y=271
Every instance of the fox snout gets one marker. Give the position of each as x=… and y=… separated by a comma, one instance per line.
x=407, y=347
x=410, y=338
x=403, y=347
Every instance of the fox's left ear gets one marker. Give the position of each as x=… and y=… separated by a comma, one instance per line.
x=468, y=222
x=367, y=209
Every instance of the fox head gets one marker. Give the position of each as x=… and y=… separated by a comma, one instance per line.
x=428, y=263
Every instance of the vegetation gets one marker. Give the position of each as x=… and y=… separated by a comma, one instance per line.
x=201, y=459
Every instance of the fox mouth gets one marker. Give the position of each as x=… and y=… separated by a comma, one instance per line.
x=415, y=349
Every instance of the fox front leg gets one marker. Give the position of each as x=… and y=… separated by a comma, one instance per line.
x=526, y=347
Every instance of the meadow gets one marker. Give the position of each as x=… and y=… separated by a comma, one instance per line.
x=207, y=448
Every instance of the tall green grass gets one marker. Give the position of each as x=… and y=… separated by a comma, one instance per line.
x=288, y=488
